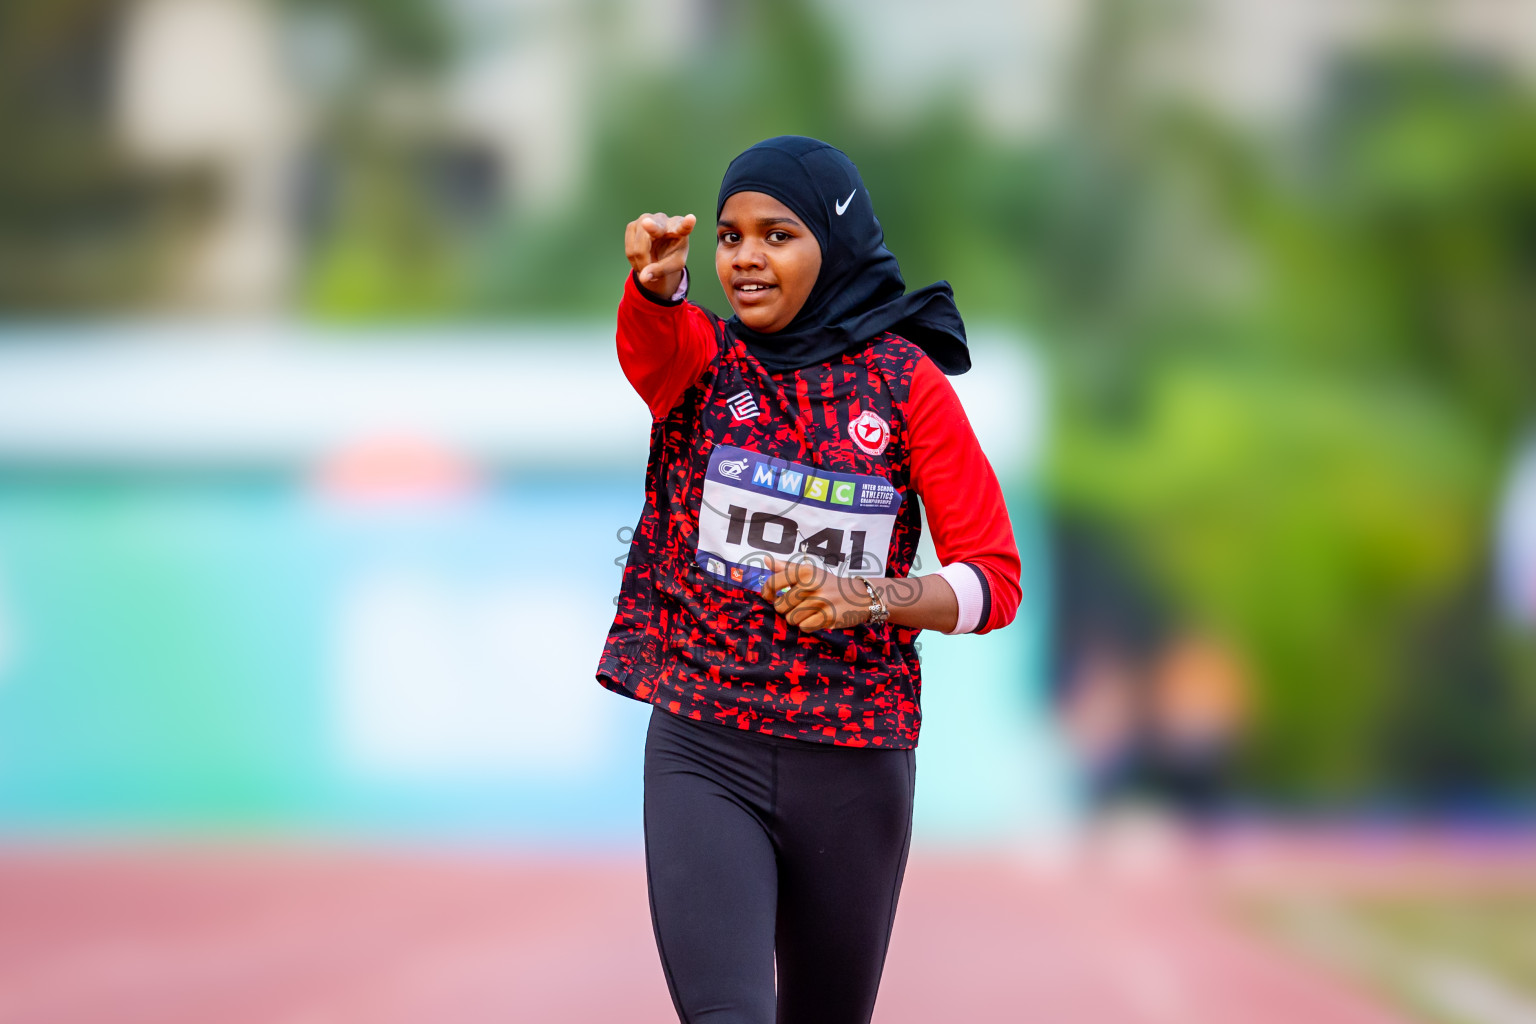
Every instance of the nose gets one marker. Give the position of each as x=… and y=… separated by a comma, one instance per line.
x=749, y=256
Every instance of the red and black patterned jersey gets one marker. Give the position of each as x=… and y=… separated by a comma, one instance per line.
x=820, y=461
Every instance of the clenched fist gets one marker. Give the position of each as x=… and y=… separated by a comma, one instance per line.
x=657, y=247
x=812, y=598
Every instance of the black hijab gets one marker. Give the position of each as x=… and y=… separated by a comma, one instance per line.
x=859, y=292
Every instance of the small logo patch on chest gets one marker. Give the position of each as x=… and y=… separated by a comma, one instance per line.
x=870, y=432
x=743, y=406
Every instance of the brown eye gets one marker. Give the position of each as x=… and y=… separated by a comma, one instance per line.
x=778, y=236
x=729, y=237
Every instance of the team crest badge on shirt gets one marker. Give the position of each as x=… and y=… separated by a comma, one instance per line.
x=870, y=433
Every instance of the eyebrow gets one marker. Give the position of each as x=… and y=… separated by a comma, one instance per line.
x=763, y=222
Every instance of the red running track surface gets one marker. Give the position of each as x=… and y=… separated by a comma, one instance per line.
x=286, y=936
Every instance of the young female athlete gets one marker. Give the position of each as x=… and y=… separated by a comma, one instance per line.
x=766, y=610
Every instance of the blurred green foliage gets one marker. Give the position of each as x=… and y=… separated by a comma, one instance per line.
x=379, y=249
x=1293, y=373
x=948, y=197
x=79, y=226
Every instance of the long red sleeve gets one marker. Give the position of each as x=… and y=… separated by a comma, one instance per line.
x=663, y=346
x=961, y=495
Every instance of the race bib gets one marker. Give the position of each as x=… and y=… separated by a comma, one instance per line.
x=756, y=506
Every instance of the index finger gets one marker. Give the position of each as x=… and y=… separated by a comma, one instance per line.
x=681, y=225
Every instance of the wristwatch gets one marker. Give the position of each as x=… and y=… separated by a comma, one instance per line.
x=878, y=612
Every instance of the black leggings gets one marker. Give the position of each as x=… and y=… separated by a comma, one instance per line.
x=756, y=846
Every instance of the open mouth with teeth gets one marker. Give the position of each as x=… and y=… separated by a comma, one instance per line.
x=753, y=291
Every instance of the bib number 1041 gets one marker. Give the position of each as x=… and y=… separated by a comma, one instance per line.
x=826, y=543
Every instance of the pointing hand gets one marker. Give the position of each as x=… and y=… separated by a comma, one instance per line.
x=657, y=247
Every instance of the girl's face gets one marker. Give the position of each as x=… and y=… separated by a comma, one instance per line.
x=767, y=260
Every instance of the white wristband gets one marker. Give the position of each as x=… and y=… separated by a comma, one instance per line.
x=962, y=580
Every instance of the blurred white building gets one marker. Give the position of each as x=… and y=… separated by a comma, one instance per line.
x=202, y=84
